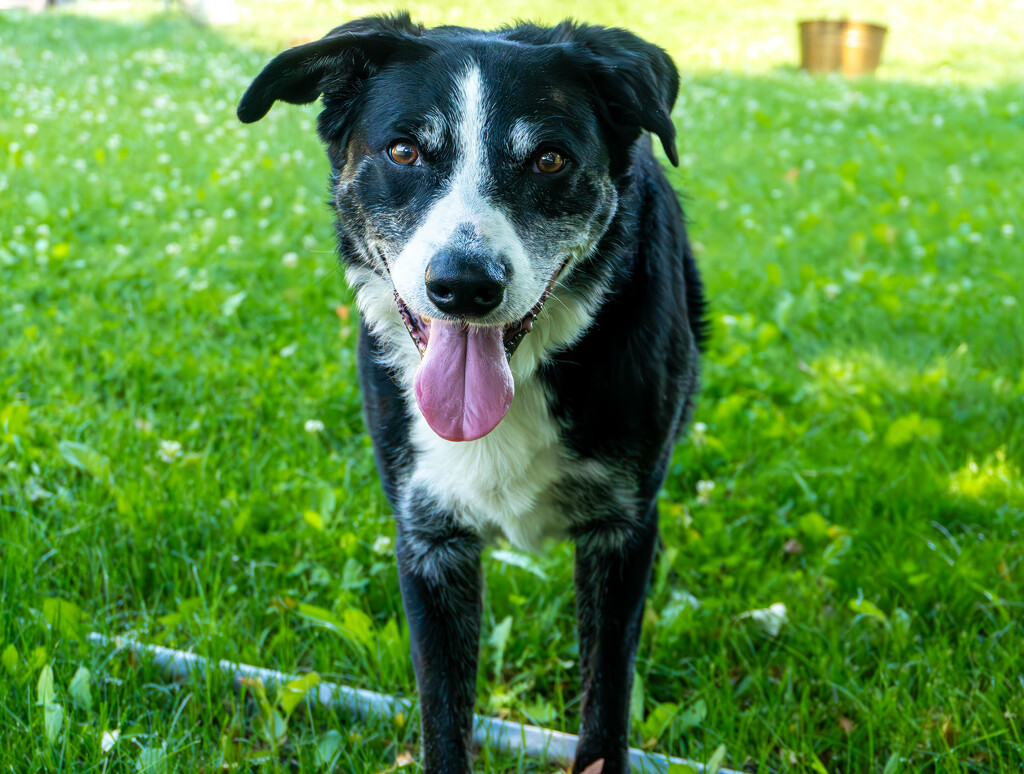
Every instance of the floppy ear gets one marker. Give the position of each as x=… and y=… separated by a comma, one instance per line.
x=636, y=82
x=350, y=52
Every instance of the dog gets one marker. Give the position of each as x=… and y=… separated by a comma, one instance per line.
x=531, y=322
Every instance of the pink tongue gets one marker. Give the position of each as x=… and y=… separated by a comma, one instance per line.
x=464, y=385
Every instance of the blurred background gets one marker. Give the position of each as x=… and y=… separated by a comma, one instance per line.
x=183, y=459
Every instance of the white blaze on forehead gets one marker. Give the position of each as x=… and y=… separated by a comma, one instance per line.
x=472, y=116
x=464, y=206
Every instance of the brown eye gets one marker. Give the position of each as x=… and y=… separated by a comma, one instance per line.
x=404, y=153
x=548, y=162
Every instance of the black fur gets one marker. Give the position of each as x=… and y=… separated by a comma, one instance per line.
x=620, y=395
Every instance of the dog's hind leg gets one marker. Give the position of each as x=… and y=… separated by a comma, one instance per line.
x=613, y=566
x=440, y=577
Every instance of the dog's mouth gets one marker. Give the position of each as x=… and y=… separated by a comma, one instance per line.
x=512, y=334
x=464, y=384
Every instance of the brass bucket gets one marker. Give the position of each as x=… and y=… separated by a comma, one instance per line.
x=850, y=47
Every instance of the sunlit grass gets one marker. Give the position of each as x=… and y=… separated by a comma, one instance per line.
x=182, y=456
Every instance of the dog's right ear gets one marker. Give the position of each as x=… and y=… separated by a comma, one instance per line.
x=345, y=55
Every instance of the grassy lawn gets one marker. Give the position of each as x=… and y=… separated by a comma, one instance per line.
x=182, y=455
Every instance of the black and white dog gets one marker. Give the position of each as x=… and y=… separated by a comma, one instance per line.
x=531, y=322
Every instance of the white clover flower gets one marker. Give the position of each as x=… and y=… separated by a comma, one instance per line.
x=109, y=739
x=382, y=545
x=290, y=260
x=290, y=350
x=169, y=451
x=704, y=490
x=831, y=291
x=266, y=202
x=30, y=130
x=314, y=426
x=235, y=242
x=1008, y=301
x=770, y=620
x=1007, y=230
x=200, y=283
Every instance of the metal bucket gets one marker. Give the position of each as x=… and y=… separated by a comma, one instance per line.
x=850, y=47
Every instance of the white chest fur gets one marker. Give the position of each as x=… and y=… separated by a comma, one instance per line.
x=500, y=482
x=503, y=481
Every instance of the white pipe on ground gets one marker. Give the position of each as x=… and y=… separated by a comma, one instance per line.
x=503, y=735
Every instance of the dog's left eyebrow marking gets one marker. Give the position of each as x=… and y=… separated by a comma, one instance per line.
x=524, y=138
x=432, y=131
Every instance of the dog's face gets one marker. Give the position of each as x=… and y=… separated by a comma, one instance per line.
x=473, y=188
x=473, y=171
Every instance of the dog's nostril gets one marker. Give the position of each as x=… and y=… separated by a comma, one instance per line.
x=487, y=295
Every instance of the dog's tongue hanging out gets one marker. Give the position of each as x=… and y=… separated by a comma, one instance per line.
x=464, y=384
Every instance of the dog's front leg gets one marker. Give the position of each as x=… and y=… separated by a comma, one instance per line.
x=613, y=565
x=439, y=572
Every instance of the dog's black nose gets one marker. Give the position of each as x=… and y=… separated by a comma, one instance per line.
x=465, y=284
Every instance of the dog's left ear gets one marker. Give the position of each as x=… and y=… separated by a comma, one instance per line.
x=335, y=62
x=636, y=82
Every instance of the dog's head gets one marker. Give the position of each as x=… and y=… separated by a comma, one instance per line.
x=472, y=170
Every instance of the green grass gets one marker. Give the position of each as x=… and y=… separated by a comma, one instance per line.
x=862, y=414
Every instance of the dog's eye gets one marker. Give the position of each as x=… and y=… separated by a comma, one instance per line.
x=403, y=152
x=548, y=162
